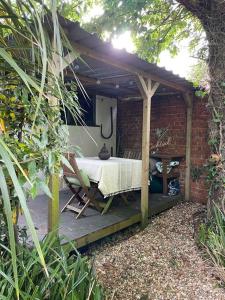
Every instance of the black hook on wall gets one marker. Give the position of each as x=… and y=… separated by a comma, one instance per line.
x=111, y=131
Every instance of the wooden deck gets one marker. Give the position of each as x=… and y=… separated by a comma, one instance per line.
x=95, y=226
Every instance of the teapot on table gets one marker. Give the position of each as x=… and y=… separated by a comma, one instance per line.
x=104, y=153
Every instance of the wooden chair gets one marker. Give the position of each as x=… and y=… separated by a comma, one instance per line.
x=79, y=184
x=132, y=154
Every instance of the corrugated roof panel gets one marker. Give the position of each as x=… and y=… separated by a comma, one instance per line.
x=78, y=35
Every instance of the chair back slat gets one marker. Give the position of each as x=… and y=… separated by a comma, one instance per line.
x=132, y=154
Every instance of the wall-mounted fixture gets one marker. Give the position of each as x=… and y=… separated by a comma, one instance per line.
x=111, y=130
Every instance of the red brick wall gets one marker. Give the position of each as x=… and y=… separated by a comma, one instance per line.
x=200, y=151
x=168, y=112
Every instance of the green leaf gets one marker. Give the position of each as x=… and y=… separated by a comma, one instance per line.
x=14, y=159
x=8, y=211
x=216, y=120
x=44, y=187
x=26, y=78
x=85, y=178
x=23, y=203
x=65, y=162
x=32, y=169
x=34, y=190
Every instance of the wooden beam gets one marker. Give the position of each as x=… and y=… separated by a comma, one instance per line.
x=53, y=204
x=115, y=79
x=189, y=104
x=154, y=88
x=89, y=81
x=147, y=92
x=143, y=87
x=106, y=231
x=145, y=159
x=113, y=61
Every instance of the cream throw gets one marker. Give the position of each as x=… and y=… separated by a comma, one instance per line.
x=113, y=176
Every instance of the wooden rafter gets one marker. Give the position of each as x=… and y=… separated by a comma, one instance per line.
x=123, y=66
x=110, y=79
x=87, y=81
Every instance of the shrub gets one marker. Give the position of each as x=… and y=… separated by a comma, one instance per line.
x=71, y=277
x=212, y=236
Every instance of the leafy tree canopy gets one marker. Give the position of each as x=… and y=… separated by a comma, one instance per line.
x=156, y=25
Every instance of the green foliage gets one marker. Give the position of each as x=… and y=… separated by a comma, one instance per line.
x=201, y=93
x=71, y=276
x=32, y=139
x=199, y=74
x=212, y=236
x=202, y=234
x=30, y=125
x=156, y=25
x=75, y=9
x=197, y=172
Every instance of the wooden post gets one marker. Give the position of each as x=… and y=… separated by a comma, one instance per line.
x=147, y=91
x=56, y=65
x=145, y=159
x=53, y=204
x=189, y=105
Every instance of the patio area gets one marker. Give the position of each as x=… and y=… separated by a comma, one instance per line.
x=129, y=102
x=140, y=113
x=94, y=226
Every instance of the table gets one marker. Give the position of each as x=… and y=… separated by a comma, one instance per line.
x=113, y=176
x=166, y=159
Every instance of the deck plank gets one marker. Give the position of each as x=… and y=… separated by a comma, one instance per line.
x=93, y=225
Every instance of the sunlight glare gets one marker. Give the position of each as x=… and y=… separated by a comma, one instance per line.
x=124, y=41
x=94, y=12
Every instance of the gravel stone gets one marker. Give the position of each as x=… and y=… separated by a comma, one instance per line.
x=161, y=262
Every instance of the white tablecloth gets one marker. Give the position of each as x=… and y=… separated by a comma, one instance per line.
x=113, y=176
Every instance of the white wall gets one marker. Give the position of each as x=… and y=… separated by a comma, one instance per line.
x=88, y=138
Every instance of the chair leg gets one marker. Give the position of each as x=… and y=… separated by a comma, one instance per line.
x=83, y=208
x=90, y=200
x=68, y=202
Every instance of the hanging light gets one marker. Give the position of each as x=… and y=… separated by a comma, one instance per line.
x=117, y=86
x=98, y=82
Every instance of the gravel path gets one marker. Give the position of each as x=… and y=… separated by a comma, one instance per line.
x=160, y=262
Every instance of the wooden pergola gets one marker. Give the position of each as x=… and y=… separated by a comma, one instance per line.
x=148, y=80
